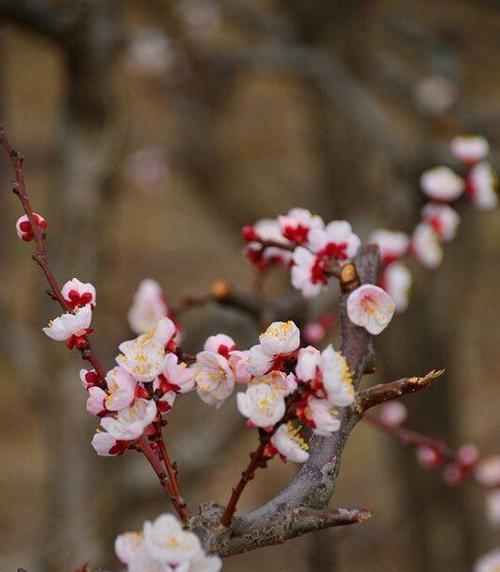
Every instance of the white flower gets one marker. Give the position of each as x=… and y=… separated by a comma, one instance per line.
x=166, y=541
x=442, y=184
x=435, y=94
x=482, y=186
x=443, y=219
x=121, y=387
x=469, y=148
x=307, y=362
x=131, y=422
x=144, y=356
x=104, y=444
x=78, y=294
x=261, y=404
x=289, y=444
x=392, y=245
x=336, y=377
x=259, y=361
x=493, y=507
x=206, y=564
x=396, y=281
x=268, y=229
x=128, y=544
x=68, y=325
x=487, y=471
x=426, y=246
x=279, y=381
x=489, y=562
x=297, y=224
x=308, y=272
x=323, y=418
x=280, y=338
x=371, y=308
x=214, y=378
x=147, y=307
x=335, y=241
x=220, y=344
x=142, y=561
x=96, y=401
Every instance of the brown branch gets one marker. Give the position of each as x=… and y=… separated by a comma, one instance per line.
x=314, y=484
x=39, y=17
x=290, y=522
x=387, y=391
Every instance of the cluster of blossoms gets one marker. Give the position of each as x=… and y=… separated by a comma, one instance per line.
x=315, y=251
x=163, y=546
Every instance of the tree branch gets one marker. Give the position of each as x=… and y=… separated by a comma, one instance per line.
x=48, y=21
x=387, y=391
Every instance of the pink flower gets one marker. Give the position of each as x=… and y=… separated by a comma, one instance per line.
x=214, y=378
x=78, y=294
x=106, y=445
x=469, y=148
x=481, y=186
x=442, y=184
x=443, y=219
x=392, y=245
x=148, y=307
x=393, y=413
x=429, y=457
x=335, y=241
x=296, y=225
x=239, y=362
x=308, y=272
x=425, y=246
x=121, y=387
x=220, y=344
x=371, y=308
x=96, y=401
x=175, y=376
x=290, y=444
x=23, y=226
x=396, y=281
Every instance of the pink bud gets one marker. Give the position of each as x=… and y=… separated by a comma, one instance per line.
x=453, y=474
x=23, y=226
x=393, y=413
x=314, y=332
x=467, y=455
x=429, y=457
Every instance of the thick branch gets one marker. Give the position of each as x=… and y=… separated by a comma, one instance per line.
x=387, y=391
x=290, y=522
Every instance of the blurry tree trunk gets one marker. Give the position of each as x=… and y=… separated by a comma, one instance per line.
x=79, y=205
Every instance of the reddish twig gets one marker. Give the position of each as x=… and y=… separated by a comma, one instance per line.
x=40, y=256
x=411, y=438
x=257, y=459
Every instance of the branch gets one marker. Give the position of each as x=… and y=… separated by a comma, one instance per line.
x=314, y=484
x=290, y=522
x=39, y=17
x=387, y=391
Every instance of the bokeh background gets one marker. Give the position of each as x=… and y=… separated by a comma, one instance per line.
x=153, y=131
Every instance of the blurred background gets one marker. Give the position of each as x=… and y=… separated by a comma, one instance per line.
x=152, y=132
